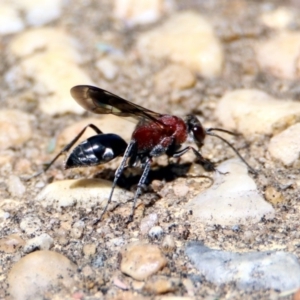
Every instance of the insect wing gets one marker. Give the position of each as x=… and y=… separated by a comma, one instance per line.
x=100, y=101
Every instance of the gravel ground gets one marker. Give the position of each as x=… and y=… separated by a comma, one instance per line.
x=48, y=243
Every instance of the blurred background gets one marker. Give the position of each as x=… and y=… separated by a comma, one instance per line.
x=235, y=64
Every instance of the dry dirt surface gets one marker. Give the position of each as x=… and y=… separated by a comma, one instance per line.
x=195, y=234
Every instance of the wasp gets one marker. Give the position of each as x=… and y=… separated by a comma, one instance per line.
x=155, y=134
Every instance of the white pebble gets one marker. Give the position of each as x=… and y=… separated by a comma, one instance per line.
x=40, y=242
x=16, y=186
x=4, y=215
x=156, y=232
x=30, y=224
x=84, y=193
x=107, y=68
x=232, y=199
x=77, y=229
x=118, y=241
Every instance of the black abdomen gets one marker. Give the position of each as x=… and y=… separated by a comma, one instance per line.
x=96, y=150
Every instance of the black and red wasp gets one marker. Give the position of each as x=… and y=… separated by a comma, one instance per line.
x=155, y=134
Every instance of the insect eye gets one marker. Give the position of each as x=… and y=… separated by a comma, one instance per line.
x=199, y=135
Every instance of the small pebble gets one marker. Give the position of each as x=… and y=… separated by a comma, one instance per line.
x=15, y=186
x=273, y=196
x=156, y=232
x=148, y=222
x=255, y=112
x=248, y=236
x=9, y=204
x=89, y=249
x=118, y=241
x=120, y=284
x=285, y=146
x=40, y=184
x=168, y=243
x=77, y=229
x=140, y=261
x=30, y=224
x=15, y=128
x=189, y=286
x=40, y=272
x=4, y=215
x=108, y=69
x=11, y=243
x=134, y=12
x=84, y=193
x=186, y=38
x=161, y=285
x=248, y=271
x=40, y=242
x=232, y=199
x=98, y=261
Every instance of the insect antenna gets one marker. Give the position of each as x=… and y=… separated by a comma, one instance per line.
x=209, y=132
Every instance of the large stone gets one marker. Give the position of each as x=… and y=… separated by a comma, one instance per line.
x=276, y=270
x=285, y=146
x=279, y=55
x=84, y=193
x=38, y=273
x=252, y=111
x=232, y=199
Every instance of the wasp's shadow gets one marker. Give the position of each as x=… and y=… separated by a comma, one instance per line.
x=131, y=176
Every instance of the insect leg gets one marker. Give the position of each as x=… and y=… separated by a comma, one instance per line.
x=207, y=164
x=209, y=132
x=118, y=173
x=142, y=181
x=67, y=148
